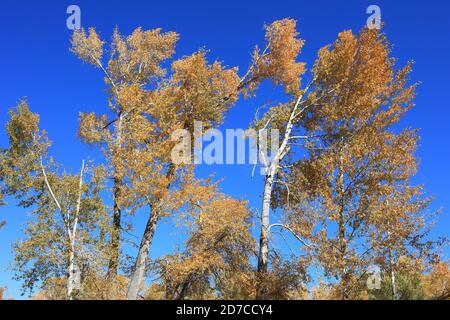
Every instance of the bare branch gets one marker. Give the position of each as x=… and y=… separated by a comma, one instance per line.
x=288, y=196
x=49, y=187
x=77, y=211
x=66, y=219
x=291, y=231
x=299, y=137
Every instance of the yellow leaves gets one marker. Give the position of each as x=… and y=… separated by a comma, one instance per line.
x=204, y=92
x=155, y=292
x=94, y=287
x=19, y=164
x=23, y=127
x=138, y=57
x=279, y=62
x=355, y=182
x=88, y=47
x=92, y=128
x=356, y=164
x=218, y=247
x=356, y=77
x=436, y=284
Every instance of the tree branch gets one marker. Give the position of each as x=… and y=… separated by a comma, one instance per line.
x=291, y=231
x=77, y=211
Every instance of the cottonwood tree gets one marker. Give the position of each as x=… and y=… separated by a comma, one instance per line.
x=149, y=105
x=148, y=108
x=278, y=62
x=66, y=208
x=353, y=162
x=351, y=195
x=215, y=261
x=121, y=72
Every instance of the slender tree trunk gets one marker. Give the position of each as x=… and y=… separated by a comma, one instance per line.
x=263, y=257
x=341, y=229
x=394, y=287
x=393, y=280
x=146, y=242
x=71, y=231
x=71, y=273
x=116, y=231
x=343, y=249
x=117, y=213
x=141, y=260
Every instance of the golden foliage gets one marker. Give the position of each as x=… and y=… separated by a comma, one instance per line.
x=436, y=284
x=278, y=61
x=350, y=197
x=88, y=47
x=215, y=262
x=138, y=57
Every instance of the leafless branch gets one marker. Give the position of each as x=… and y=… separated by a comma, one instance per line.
x=77, y=210
x=291, y=231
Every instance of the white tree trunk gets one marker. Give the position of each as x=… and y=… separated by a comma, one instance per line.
x=137, y=277
x=72, y=277
x=71, y=274
x=272, y=170
x=265, y=223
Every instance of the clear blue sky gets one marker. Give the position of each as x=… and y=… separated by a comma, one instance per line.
x=36, y=63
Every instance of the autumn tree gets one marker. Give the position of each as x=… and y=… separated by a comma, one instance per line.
x=215, y=261
x=351, y=194
x=134, y=62
x=278, y=62
x=66, y=208
x=436, y=284
x=148, y=108
x=355, y=170
x=150, y=104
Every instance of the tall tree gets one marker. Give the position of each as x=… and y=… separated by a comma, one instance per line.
x=66, y=208
x=351, y=195
x=149, y=106
x=278, y=62
x=134, y=63
x=149, y=109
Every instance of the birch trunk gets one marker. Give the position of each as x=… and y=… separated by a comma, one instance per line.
x=394, y=286
x=71, y=274
x=71, y=230
x=263, y=257
x=141, y=260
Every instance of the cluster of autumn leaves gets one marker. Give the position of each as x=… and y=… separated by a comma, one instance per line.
x=347, y=200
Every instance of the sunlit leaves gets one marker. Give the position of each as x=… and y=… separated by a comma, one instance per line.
x=88, y=47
